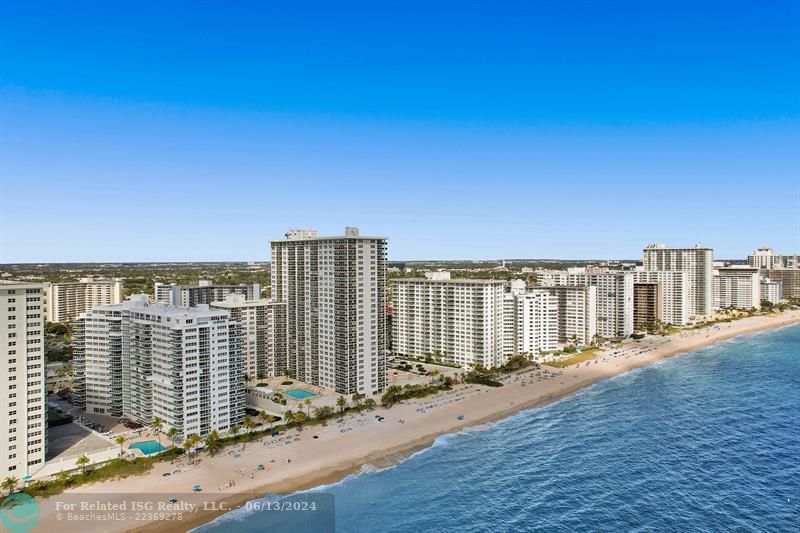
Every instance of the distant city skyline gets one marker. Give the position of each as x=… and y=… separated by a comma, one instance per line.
x=458, y=130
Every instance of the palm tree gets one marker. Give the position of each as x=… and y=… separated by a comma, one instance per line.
x=248, y=425
x=262, y=417
x=234, y=430
x=171, y=434
x=288, y=415
x=194, y=439
x=157, y=424
x=120, y=439
x=299, y=418
x=212, y=442
x=357, y=402
x=82, y=461
x=271, y=420
x=63, y=477
x=187, y=445
x=10, y=484
x=307, y=403
x=341, y=401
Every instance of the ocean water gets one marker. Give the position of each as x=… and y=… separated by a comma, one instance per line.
x=708, y=441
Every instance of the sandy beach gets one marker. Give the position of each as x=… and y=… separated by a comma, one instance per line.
x=297, y=460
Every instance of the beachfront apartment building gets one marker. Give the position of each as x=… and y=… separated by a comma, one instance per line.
x=614, y=296
x=789, y=280
x=334, y=289
x=697, y=262
x=764, y=258
x=23, y=424
x=737, y=287
x=673, y=297
x=65, y=301
x=530, y=322
x=142, y=360
x=577, y=312
x=263, y=324
x=646, y=306
x=205, y=292
x=460, y=321
x=771, y=291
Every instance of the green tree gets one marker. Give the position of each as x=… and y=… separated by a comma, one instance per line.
x=120, y=439
x=321, y=413
x=82, y=461
x=212, y=442
x=10, y=484
x=248, y=425
x=370, y=403
x=299, y=418
x=341, y=402
x=271, y=420
x=157, y=425
x=262, y=417
x=307, y=403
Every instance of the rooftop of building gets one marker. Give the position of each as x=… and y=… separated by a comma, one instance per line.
x=141, y=302
x=462, y=281
x=313, y=235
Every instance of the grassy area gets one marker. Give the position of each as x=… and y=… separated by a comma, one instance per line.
x=585, y=355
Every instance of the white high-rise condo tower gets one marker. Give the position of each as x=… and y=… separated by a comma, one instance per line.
x=697, y=262
x=142, y=360
x=23, y=418
x=334, y=289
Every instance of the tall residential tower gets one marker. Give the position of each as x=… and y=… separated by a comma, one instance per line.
x=23, y=417
x=334, y=289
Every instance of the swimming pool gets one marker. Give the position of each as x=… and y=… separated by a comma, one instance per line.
x=299, y=394
x=148, y=447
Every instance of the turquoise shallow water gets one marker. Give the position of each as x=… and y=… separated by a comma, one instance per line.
x=708, y=441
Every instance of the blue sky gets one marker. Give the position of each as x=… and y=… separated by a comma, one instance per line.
x=146, y=132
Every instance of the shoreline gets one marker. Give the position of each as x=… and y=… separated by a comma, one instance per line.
x=346, y=452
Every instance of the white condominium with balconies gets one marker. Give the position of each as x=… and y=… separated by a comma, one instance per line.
x=771, y=291
x=697, y=262
x=614, y=296
x=205, y=292
x=737, y=287
x=577, y=312
x=67, y=300
x=23, y=416
x=263, y=334
x=673, y=290
x=530, y=322
x=457, y=320
x=334, y=289
x=182, y=364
